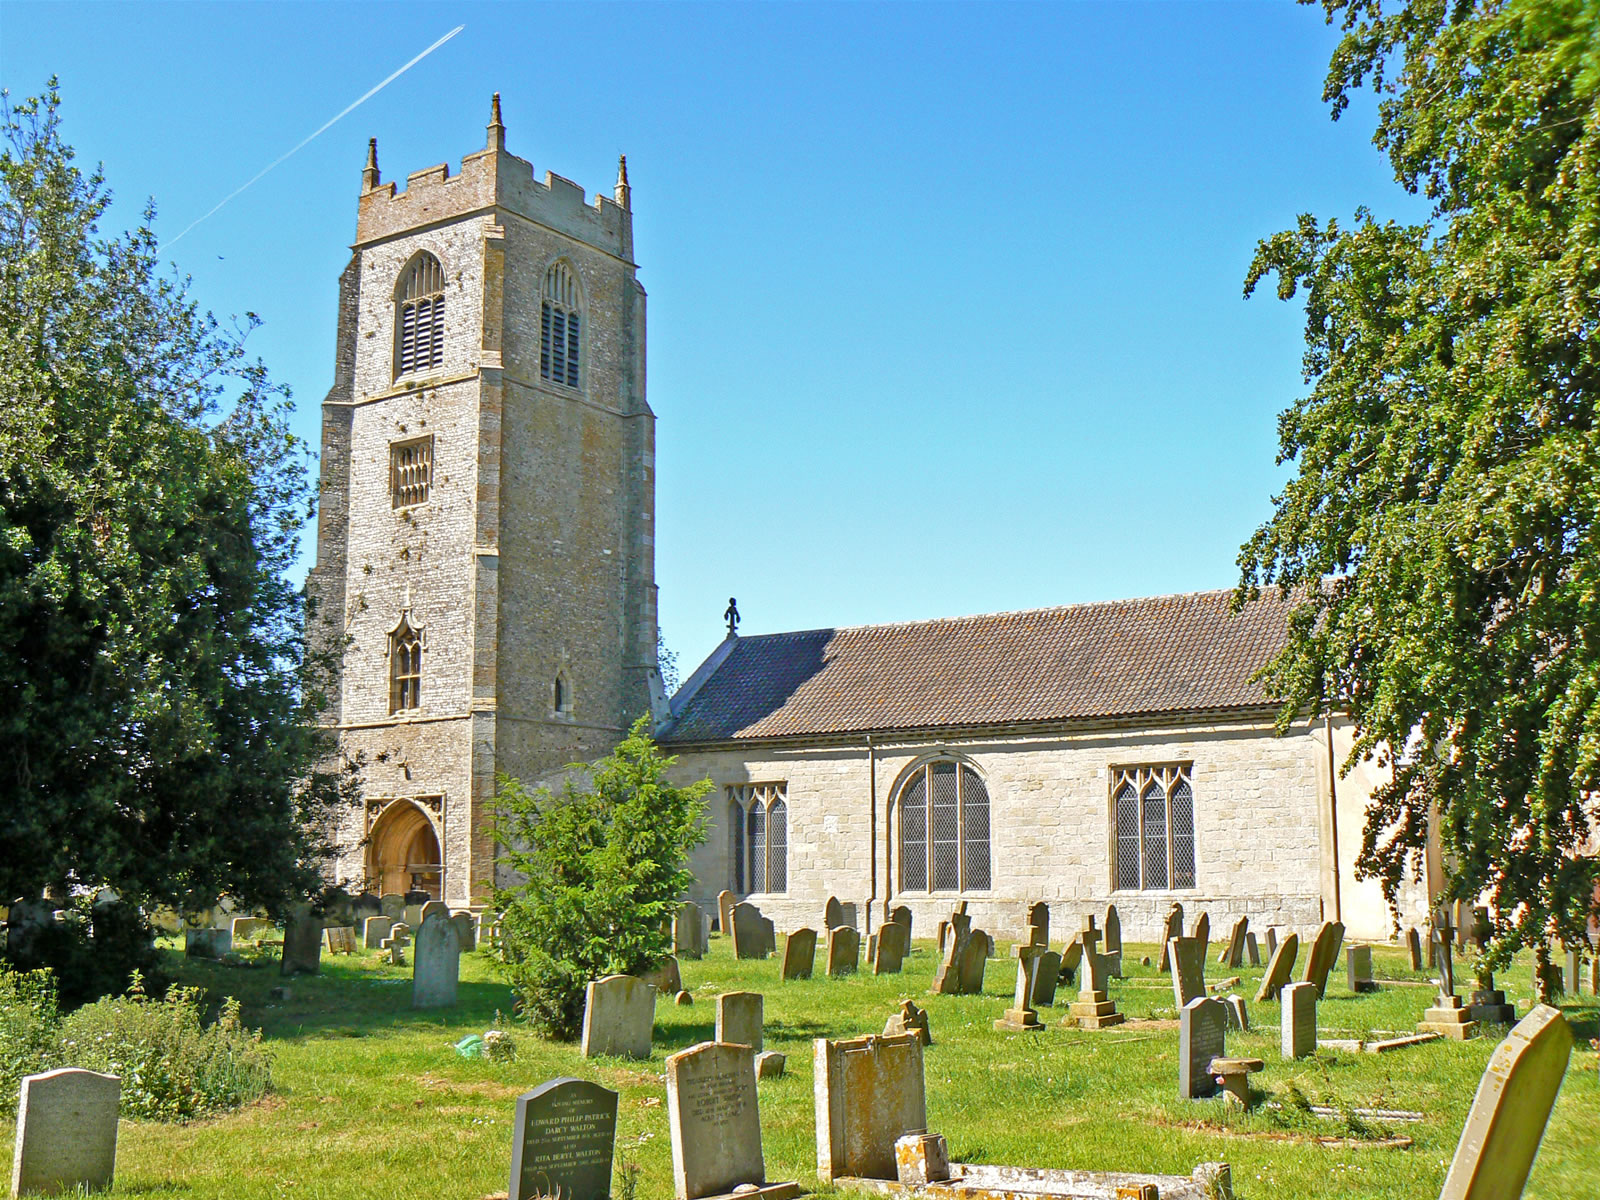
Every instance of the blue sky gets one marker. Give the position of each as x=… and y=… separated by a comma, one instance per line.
x=945, y=300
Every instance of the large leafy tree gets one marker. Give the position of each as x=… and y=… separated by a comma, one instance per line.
x=157, y=705
x=1440, y=529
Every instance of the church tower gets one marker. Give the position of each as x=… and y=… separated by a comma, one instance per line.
x=485, y=572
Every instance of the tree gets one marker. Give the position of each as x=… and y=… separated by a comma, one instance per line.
x=157, y=704
x=1440, y=530
x=604, y=864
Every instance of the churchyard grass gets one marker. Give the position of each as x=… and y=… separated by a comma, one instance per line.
x=371, y=1098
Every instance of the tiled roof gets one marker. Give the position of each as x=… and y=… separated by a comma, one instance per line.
x=1125, y=658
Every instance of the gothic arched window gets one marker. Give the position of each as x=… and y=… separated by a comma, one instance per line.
x=758, y=837
x=1152, y=809
x=944, y=829
x=419, y=316
x=405, y=667
x=561, y=326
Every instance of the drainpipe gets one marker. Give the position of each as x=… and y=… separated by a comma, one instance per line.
x=1333, y=803
x=872, y=827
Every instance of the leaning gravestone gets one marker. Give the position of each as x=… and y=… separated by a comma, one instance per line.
x=1509, y=1113
x=1045, y=979
x=1021, y=1017
x=799, y=954
x=832, y=913
x=563, y=1141
x=466, y=929
x=619, y=1015
x=1238, y=1015
x=909, y=1019
x=436, y=964
x=889, y=954
x=749, y=934
x=1188, y=959
x=66, y=1132
x=739, y=1019
x=1173, y=927
x=1113, y=936
x=1279, y=969
x=1252, y=952
x=1202, y=1030
x=1271, y=939
x=1071, y=958
x=1232, y=955
x=1036, y=924
x=1299, y=1020
x=1324, y=954
x=1414, y=946
x=716, y=1125
x=869, y=1093
x=375, y=930
x=947, y=978
x=1202, y=927
x=302, y=943
x=725, y=902
x=970, y=963
x=844, y=950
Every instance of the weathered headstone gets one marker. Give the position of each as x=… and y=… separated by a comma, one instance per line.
x=844, y=951
x=888, y=954
x=1448, y=1016
x=1036, y=924
x=688, y=927
x=973, y=958
x=1299, y=1019
x=942, y=934
x=207, y=943
x=1045, y=979
x=363, y=906
x=1071, y=960
x=960, y=921
x=392, y=904
x=619, y=1015
x=248, y=929
x=715, y=1125
x=1414, y=945
x=1232, y=955
x=1202, y=1030
x=412, y=913
x=1279, y=968
x=563, y=1141
x=667, y=979
x=375, y=929
x=1187, y=957
x=1489, y=1005
x=799, y=954
x=1252, y=952
x=66, y=1132
x=1271, y=940
x=466, y=930
x=947, y=977
x=739, y=1019
x=749, y=933
x=1171, y=928
x=302, y=943
x=1238, y=1015
x=725, y=902
x=434, y=906
x=1358, y=969
x=869, y=1093
x=901, y=915
x=1202, y=928
x=909, y=1019
x=848, y=909
x=1324, y=954
x=340, y=939
x=1021, y=1017
x=436, y=964
x=1509, y=1113
x=832, y=913
x=1113, y=930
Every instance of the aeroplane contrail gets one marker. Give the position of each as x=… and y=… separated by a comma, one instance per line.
x=313, y=136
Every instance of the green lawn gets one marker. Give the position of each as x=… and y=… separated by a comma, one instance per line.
x=371, y=1100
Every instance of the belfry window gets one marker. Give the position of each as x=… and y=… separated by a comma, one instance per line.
x=1153, y=813
x=944, y=829
x=562, y=695
x=560, y=327
x=758, y=837
x=405, y=667
x=410, y=471
x=419, y=316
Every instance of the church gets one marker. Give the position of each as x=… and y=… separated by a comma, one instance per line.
x=485, y=582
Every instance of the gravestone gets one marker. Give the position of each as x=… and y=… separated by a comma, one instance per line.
x=749, y=934
x=563, y=1141
x=1324, y=954
x=375, y=929
x=1414, y=945
x=434, y=906
x=1232, y=955
x=1489, y=1005
x=392, y=904
x=207, y=943
x=960, y=922
x=1252, y=952
x=436, y=964
x=412, y=914
x=1202, y=1030
x=66, y=1132
x=248, y=929
x=416, y=896
x=1271, y=939
x=1448, y=1016
x=869, y=1094
x=888, y=955
x=832, y=913
x=799, y=954
x=1036, y=924
x=1071, y=960
x=942, y=934
x=1113, y=942
x=1572, y=973
x=739, y=1019
x=872, y=948
x=1094, y=1008
x=619, y=1014
x=1508, y=1115
x=947, y=976
x=1045, y=979
x=1172, y=927
x=667, y=979
x=901, y=915
x=1187, y=957
x=1299, y=1019
x=1358, y=969
x=1021, y=1017
x=848, y=909
x=688, y=930
x=363, y=906
x=1238, y=1015
x=1279, y=968
x=340, y=939
x=844, y=951
x=466, y=924
x=302, y=943
x=715, y=1125
x=725, y=902
x=909, y=1019
x=975, y=950
x=1202, y=927
x=769, y=937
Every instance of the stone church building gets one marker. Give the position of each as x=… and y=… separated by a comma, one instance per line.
x=485, y=576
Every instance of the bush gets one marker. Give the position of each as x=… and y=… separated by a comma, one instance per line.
x=604, y=866
x=28, y=1021
x=173, y=1067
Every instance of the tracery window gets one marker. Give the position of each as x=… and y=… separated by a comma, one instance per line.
x=1153, y=813
x=419, y=316
x=410, y=471
x=561, y=326
x=944, y=829
x=758, y=837
x=405, y=667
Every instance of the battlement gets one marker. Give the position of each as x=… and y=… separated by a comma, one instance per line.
x=493, y=178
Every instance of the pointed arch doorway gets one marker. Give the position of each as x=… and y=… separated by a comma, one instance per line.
x=403, y=851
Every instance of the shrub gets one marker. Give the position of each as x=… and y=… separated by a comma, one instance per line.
x=28, y=1021
x=604, y=866
x=173, y=1066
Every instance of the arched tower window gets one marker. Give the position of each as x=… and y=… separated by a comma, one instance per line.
x=561, y=326
x=944, y=829
x=419, y=316
x=561, y=695
x=405, y=667
x=758, y=837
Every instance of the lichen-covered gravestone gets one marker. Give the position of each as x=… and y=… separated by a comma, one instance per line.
x=799, y=954
x=739, y=1019
x=66, y=1132
x=563, y=1141
x=619, y=1014
x=1279, y=968
x=869, y=1093
x=1202, y=1030
x=715, y=1125
x=436, y=964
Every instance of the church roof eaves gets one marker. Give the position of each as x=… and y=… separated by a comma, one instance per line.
x=1153, y=657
